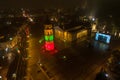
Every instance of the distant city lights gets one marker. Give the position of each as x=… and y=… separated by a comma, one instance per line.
x=94, y=28
x=115, y=33
x=49, y=46
x=93, y=19
x=6, y=49
x=64, y=57
x=11, y=38
x=31, y=20
x=106, y=75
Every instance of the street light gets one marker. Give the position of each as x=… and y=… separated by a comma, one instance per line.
x=93, y=19
x=0, y=76
x=11, y=39
x=14, y=75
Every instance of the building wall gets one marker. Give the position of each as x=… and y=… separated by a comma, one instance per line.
x=62, y=35
x=58, y=34
x=82, y=33
x=67, y=36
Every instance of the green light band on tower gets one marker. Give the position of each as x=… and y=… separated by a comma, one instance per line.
x=49, y=38
x=46, y=38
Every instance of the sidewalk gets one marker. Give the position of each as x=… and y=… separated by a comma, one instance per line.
x=92, y=77
x=3, y=73
x=28, y=71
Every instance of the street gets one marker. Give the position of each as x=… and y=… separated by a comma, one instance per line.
x=77, y=62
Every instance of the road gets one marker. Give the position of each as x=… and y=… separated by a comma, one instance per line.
x=67, y=62
x=17, y=67
x=74, y=62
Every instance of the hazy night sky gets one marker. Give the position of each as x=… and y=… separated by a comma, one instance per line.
x=40, y=3
x=95, y=6
x=58, y=3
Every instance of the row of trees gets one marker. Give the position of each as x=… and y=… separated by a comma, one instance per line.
x=114, y=65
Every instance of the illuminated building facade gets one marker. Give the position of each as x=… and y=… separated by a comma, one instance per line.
x=49, y=38
x=94, y=29
x=103, y=37
x=71, y=34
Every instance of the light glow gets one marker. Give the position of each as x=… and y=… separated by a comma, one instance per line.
x=49, y=46
x=31, y=20
x=103, y=37
x=106, y=75
x=11, y=38
x=93, y=19
x=94, y=27
x=49, y=43
x=49, y=38
x=115, y=33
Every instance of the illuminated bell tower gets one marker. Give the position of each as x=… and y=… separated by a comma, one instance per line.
x=49, y=38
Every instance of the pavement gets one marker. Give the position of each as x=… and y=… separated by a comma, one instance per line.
x=74, y=56
x=69, y=62
x=33, y=57
x=7, y=62
x=12, y=45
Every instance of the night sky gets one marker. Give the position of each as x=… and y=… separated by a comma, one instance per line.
x=56, y=3
x=40, y=3
x=95, y=6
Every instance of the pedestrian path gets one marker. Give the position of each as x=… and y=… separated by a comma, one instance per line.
x=3, y=73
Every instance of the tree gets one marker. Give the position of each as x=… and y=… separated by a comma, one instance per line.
x=114, y=65
x=102, y=75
